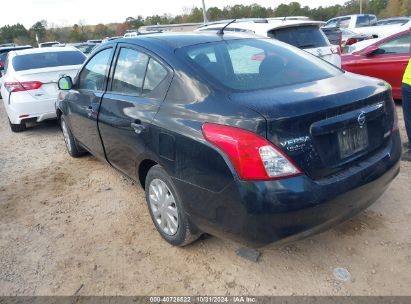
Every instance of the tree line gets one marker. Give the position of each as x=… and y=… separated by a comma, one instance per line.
x=18, y=34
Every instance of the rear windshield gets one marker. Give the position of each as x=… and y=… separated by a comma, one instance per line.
x=250, y=64
x=3, y=56
x=47, y=60
x=303, y=37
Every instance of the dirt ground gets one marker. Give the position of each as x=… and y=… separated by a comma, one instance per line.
x=76, y=225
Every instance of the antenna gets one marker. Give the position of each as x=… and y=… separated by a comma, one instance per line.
x=221, y=32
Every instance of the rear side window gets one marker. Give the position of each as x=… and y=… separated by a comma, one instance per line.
x=129, y=73
x=156, y=73
x=94, y=74
x=251, y=64
x=47, y=60
x=303, y=37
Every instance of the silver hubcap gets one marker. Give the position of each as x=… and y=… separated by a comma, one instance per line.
x=163, y=206
x=66, y=135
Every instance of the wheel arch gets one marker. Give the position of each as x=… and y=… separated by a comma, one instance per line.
x=144, y=166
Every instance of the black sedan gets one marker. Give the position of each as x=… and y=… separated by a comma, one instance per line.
x=239, y=137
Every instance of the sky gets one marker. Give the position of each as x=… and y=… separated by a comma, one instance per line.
x=68, y=12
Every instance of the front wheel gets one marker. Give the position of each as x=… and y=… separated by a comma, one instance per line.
x=166, y=209
x=69, y=140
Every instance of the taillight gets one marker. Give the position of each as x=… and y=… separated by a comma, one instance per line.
x=351, y=41
x=22, y=86
x=336, y=49
x=253, y=157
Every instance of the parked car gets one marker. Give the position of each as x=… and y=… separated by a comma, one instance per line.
x=255, y=151
x=48, y=44
x=304, y=34
x=5, y=50
x=385, y=58
x=394, y=20
x=107, y=39
x=333, y=34
x=366, y=24
x=29, y=87
x=3, y=55
x=352, y=21
x=131, y=34
x=349, y=38
x=84, y=47
x=96, y=41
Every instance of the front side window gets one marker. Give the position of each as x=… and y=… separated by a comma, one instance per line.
x=250, y=64
x=129, y=72
x=94, y=74
x=399, y=45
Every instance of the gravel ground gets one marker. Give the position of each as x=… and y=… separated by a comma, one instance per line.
x=76, y=225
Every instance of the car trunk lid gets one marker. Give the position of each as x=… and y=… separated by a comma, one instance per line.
x=325, y=125
x=48, y=77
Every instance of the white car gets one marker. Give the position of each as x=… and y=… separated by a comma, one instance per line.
x=367, y=24
x=30, y=78
x=301, y=33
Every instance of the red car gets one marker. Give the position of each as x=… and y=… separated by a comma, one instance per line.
x=386, y=59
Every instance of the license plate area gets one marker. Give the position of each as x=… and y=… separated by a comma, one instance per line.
x=352, y=140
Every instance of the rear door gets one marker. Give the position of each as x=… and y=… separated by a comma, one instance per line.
x=84, y=99
x=138, y=84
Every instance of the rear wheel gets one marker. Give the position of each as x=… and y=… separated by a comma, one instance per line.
x=166, y=209
x=69, y=140
x=17, y=127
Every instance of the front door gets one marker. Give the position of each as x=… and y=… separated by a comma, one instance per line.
x=84, y=101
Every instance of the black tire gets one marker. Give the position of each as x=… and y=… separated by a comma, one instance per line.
x=185, y=233
x=69, y=139
x=17, y=127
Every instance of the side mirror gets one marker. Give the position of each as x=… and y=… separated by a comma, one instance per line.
x=371, y=51
x=65, y=83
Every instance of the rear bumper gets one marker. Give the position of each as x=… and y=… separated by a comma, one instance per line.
x=22, y=103
x=259, y=213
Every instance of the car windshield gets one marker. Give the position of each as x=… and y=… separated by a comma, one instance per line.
x=3, y=56
x=251, y=64
x=47, y=60
x=304, y=37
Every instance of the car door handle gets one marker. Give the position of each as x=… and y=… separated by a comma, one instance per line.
x=137, y=126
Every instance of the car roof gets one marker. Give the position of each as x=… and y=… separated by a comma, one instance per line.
x=262, y=24
x=46, y=50
x=14, y=48
x=176, y=40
